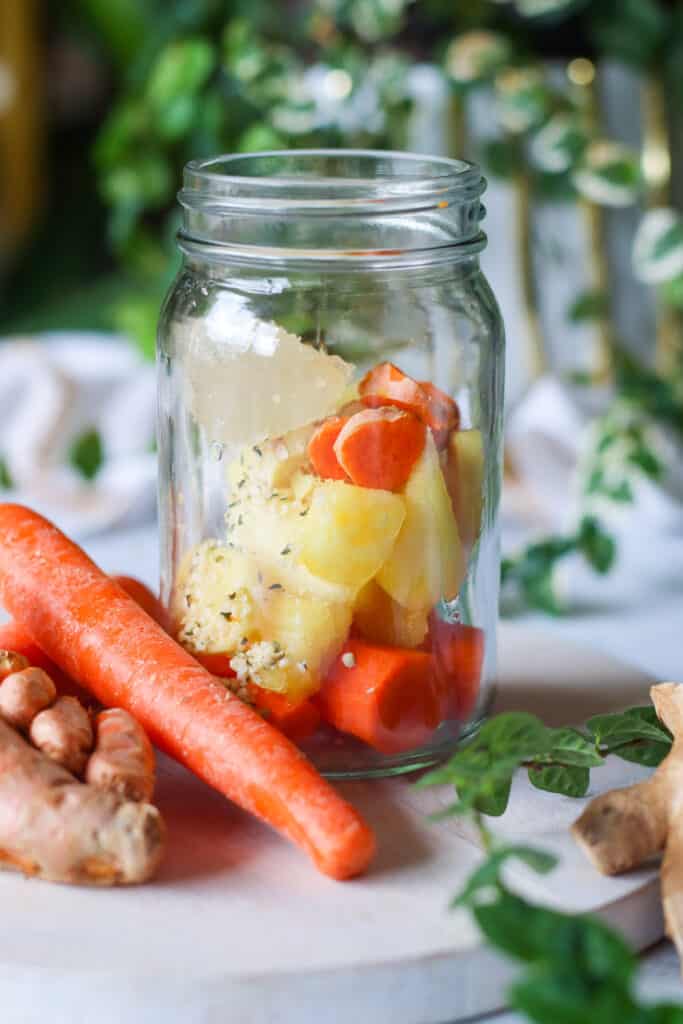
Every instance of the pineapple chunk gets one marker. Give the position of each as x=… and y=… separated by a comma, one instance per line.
x=306, y=634
x=383, y=621
x=224, y=604
x=464, y=473
x=262, y=468
x=427, y=561
x=214, y=607
x=349, y=532
x=271, y=529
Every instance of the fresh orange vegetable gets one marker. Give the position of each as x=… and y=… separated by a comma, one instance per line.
x=14, y=637
x=97, y=634
x=442, y=414
x=321, y=449
x=148, y=601
x=459, y=658
x=379, y=447
x=385, y=384
x=296, y=719
x=385, y=696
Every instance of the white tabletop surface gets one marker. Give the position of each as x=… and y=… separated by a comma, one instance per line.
x=636, y=614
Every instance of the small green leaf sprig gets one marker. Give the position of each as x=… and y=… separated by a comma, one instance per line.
x=557, y=760
x=574, y=968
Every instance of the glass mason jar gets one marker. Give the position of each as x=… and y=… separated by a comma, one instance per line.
x=330, y=406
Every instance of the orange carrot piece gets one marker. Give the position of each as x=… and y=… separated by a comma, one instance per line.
x=321, y=450
x=297, y=720
x=379, y=447
x=442, y=413
x=14, y=637
x=459, y=658
x=148, y=601
x=385, y=384
x=385, y=696
x=217, y=664
x=96, y=633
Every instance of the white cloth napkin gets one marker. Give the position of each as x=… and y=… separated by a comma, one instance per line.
x=53, y=388
x=545, y=436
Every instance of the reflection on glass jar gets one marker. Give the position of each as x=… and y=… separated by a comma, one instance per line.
x=331, y=394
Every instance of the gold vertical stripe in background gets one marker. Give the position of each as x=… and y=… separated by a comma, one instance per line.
x=537, y=357
x=20, y=122
x=657, y=170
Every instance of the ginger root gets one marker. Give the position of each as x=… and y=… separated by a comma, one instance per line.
x=123, y=759
x=24, y=694
x=51, y=824
x=59, y=829
x=64, y=733
x=624, y=828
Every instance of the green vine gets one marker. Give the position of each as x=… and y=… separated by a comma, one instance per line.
x=574, y=969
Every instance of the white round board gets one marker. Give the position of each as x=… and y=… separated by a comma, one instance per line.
x=239, y=926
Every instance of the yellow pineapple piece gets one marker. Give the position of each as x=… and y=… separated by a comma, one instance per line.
x=349, y=532
x=262, y=468
x=214, y=606
x=301, y=637
x=464, y=473
x=271, y=530
x=427, y=561
x=381, y=620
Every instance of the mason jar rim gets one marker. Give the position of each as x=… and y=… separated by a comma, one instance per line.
x=434, y=201
x=291, y=180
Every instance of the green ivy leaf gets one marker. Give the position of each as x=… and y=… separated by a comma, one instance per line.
x=596, y=545
x=515, y=734
x=631, y=30
x=489, y=874
x=501, y=158
x=646, y=752
x=588, y=305
x=180, y=71
x=6, y=482
x=569, y=780
x=86, y=454
x=571, y=747
x=615, y=730
x=646, y=461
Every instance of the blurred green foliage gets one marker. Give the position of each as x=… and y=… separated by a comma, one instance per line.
x=191, y=78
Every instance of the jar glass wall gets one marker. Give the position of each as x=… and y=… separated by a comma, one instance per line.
x=330, y=405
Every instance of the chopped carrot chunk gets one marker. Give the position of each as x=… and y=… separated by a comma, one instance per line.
x=379, y=447
x=321, y=449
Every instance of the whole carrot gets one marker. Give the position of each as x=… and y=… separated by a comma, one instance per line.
x=98, y=635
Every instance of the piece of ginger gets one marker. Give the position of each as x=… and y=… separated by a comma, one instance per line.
x=24, y=694
x=624, y=828
x=123, y=759
x=57, y=828
x=51, y=824
x=64, y=732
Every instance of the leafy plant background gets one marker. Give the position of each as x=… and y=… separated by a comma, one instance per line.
x=169, y=80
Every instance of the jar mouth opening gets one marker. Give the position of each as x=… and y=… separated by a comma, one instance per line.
x=331, y=181
x=332, y=205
